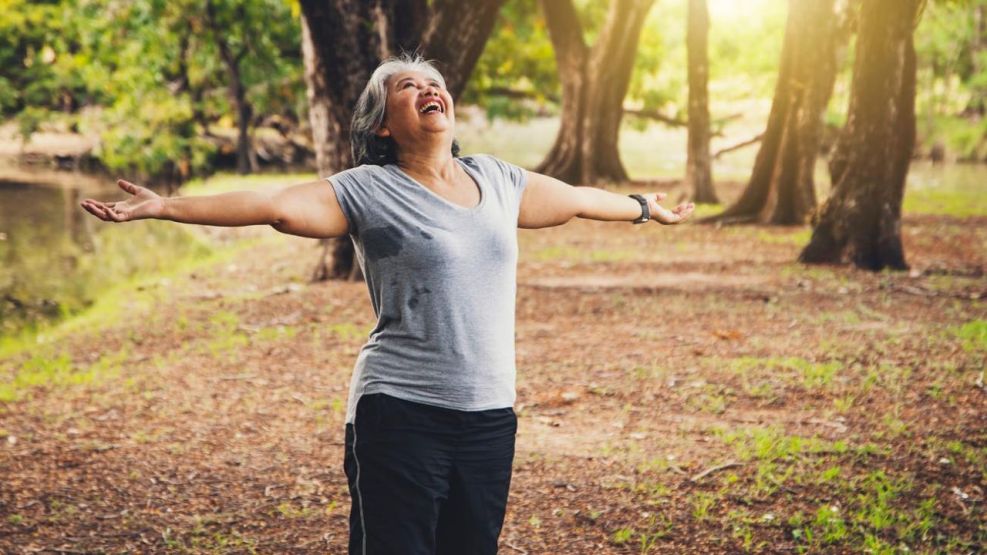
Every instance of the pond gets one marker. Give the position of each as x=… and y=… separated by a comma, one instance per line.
x=55, y=258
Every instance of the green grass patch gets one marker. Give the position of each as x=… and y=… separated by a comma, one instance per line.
x=940, y=202
x=124, y=300
x=348, y=331
x=568, y=253
x=705, y=210
x=771, y=444
x=973, y=335
x=784, y=236
x=57, y=371
x=808, y=374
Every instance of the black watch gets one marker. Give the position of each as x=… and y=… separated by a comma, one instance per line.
x=645, y=211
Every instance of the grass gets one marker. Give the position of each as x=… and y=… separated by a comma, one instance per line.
x=569, y=253
x=64, y=279
x=128, y=297
x=958, y=204
x=810, y=375
x=972, y=335
x=59, y=370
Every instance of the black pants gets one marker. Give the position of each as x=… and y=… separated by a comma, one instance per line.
x=426, y=480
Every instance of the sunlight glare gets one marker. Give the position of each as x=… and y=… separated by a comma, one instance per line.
x=726, y=10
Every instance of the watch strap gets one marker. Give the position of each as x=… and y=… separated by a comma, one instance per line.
x=645, y=211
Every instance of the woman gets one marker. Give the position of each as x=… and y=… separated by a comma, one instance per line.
x=429, y=426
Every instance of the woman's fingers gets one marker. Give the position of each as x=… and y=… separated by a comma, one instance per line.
x=96, y=210
x=103, y=212
x=128, y=186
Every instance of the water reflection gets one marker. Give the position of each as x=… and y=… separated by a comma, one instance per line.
x=55, y=258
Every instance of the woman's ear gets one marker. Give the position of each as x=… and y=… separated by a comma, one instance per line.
x=382, y=131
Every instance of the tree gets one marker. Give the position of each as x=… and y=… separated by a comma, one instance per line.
x=344, y=40
x=861, y=221
x=781, y=189
x=698, y=169
x=594, y=82
x=219, y=23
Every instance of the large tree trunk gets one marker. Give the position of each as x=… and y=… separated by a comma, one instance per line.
x=861, y=221
x=343, y=41
x=781, y=189
x=594, y=83
x=698, y=167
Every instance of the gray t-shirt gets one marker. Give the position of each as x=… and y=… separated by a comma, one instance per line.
x=442, y=281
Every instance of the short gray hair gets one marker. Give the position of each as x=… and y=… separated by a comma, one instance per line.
x=368, y=116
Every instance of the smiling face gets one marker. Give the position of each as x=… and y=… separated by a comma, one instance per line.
x=418, y=109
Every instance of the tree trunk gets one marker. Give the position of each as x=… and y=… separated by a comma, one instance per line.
x=781, y=189
x=245, y=162
x=698, y=168
x=861, y=221
x=978, y=99
x=594, y=83
x=343, y=41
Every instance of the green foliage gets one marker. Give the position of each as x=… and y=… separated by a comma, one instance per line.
x=145, y=77
x=517, y=61
x=952, y=78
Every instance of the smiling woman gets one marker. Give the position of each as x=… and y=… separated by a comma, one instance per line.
x=430, y=427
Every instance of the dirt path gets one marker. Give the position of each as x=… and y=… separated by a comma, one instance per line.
x=834, y=410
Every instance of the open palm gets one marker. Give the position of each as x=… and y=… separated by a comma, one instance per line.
x=668, y=216
x=143, y=203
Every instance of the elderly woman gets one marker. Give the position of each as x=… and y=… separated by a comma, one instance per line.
x=430, y=427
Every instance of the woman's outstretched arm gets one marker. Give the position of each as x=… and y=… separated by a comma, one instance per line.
x=547, y=202
x=308, y=209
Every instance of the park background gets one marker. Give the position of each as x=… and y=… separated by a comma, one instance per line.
x=170, y=388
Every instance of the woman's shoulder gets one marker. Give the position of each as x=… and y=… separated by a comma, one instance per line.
x=360, y=172
x=490, y=165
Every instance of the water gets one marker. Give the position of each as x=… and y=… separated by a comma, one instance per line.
x=55, y=258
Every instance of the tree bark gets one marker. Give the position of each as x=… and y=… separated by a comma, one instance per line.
x=861, y=221
x=698, y=168
x=343, y=41
x=594, y=83
x=781, y=189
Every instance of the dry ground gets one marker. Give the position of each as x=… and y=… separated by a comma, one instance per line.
x=680, y=390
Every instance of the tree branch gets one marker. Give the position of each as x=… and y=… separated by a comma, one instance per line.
x=657, y=116
x=756, y=139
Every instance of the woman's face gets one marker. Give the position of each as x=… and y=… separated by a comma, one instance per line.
x=418, y=106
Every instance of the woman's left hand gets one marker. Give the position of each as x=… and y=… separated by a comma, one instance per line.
x=667, y=216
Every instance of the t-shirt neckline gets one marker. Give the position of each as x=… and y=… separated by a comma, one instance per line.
x=459, y=207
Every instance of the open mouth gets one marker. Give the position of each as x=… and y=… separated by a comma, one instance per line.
x=429, y=107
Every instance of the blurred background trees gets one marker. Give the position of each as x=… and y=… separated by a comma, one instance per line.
x=161, y=84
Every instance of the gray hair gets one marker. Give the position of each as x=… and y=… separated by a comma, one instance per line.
x=368, y=116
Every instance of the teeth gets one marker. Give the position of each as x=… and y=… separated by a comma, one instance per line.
x=428, y=105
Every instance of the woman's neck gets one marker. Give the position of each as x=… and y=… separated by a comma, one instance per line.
x=429, y=166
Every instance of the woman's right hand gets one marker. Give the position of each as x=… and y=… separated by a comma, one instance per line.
x=143, y=203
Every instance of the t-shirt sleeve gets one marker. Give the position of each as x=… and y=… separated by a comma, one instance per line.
x=515, y=176
x=354, y=192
